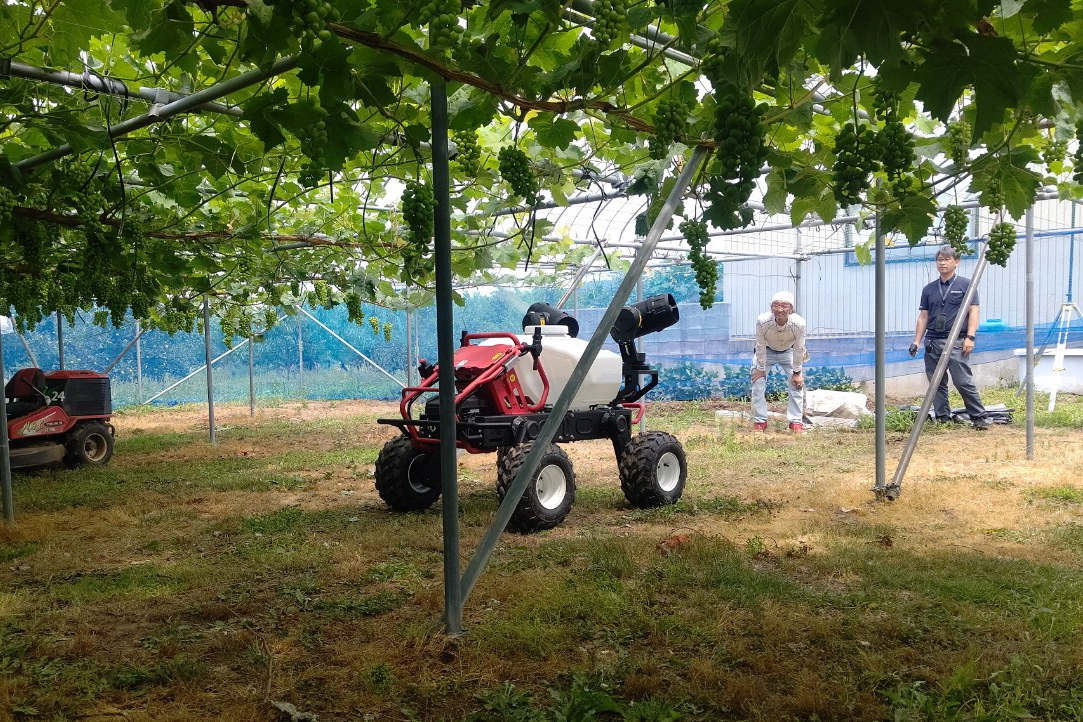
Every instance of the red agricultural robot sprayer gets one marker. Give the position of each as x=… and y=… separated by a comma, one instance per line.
x=503, y=382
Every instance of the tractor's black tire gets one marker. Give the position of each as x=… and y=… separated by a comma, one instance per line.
x=89, y=444
x=407, y=478
x=653, y=470
x=549, y=495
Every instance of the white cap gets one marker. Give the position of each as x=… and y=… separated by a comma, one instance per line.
x=784, y=297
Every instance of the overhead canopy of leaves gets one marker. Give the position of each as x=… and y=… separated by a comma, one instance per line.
x=301, y=181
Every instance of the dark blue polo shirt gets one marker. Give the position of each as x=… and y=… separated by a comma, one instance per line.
x=943, y=300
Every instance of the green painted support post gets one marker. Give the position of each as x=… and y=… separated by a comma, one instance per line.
x=445, y=332
x=5, y=452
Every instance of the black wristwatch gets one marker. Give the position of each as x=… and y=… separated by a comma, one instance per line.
x=967, y=335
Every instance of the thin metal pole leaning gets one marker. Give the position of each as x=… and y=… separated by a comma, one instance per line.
x=441, y=182
x=60, y=339
x=126, y=349
x=881, y=363
x=138, y=361
x=189, y=102
x=560, y=408
x=5, y=452
x=893, y=490
x=199, y=370
x=1030, y=328
x=210, y=373
x=108, y=86
x=347, y=344
x=29, y=352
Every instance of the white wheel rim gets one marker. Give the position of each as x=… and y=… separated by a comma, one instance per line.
x=94, y=447
x=551, y=486
x=668, y=471
x=417, y=486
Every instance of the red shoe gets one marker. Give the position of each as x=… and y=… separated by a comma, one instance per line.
x=759, y=426
x=797, y=428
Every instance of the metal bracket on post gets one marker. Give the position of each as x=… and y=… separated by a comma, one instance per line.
x=560, y=407
x=893, y=490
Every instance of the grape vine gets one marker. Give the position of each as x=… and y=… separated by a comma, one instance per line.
x=418, y=206
x=958, y=137
x=442, y=17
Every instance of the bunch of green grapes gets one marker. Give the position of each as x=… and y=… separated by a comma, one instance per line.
x=516, y=171
x=958, y=137
x=1055, y=152
x=387, y=330
x=885, y=102
x=374, y=322
x=418, y=205
x=443, y=19
x=695, y=234
x=1001, y=243
x=993, y=198
x=739, y=135
x=313, y=136
x=354, y=312
x=1077, y=158
x=610, y=17
x=670, y=122
x=955, y=223
x=7, y=203
x=270, y=318
x=856, y=157
x=467, y=152
x=309, y=19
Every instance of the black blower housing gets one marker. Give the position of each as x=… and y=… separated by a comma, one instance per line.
x=649, y=315
x=546, y=314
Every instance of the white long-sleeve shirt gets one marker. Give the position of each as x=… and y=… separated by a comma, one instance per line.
x=780, y=338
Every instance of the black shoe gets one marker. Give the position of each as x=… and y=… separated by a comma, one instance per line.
x=981, y=424
x=943, y=419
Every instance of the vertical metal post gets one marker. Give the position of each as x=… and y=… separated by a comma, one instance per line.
x=251, y=380
x=60, y=339
x=1071, y=255
x=300, y=358
x=138, y=362
x=881, y=363
x=893, y=490
x=210, y=375
x=797, y=270
x=453, y=596
x=1030, y=327
x=409, y=352
x=5, y=452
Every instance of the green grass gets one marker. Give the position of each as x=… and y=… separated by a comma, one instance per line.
x=1062, y=494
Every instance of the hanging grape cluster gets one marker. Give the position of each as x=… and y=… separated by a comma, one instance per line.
x=442, y=17
x=354, y=312
x=739, y=134
x=959, y=143
x=993, y=198
x=610, y=17
x=7, y=202
x=1077, y=159
x=896, y=144
x=695, y=235
x=418, y=206
x=321, y=290
x=374, y=322
x=1055, y=152
x=387, y=330
x=467, y=152
x=955, y=223
x=516, y=171
x=1001, y=243
x=309, y=19
x=857, y=156
x=670, y=122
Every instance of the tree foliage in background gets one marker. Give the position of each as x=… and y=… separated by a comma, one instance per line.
x=891, y=105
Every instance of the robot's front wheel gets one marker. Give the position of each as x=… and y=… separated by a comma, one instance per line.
x=549, y=494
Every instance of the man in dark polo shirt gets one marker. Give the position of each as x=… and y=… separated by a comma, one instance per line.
x=940, y=304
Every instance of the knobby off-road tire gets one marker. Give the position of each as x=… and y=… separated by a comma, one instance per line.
x=407, y=479
x=89, y=444
x=550, y=493
x=653, y=470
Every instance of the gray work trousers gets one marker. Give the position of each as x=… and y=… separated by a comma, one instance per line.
x=961, y=376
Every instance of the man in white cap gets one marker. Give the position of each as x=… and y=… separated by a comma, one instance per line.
x=780, y=341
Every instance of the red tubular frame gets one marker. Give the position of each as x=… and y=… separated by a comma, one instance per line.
x=498, y=366
x=642, y=408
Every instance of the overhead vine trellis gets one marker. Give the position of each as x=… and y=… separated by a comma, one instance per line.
x=812, y=105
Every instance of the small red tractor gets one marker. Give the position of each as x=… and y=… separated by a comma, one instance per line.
x=504, y=387
x=59, y=416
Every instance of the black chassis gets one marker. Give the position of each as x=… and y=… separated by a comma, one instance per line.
x=489, y=433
